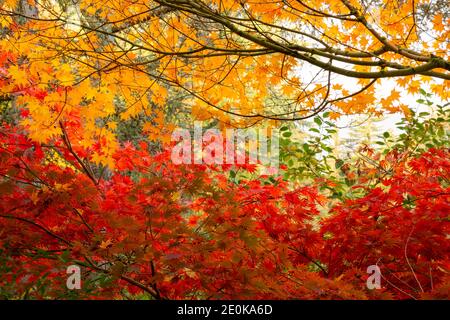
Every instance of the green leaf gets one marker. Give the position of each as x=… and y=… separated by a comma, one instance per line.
x=339, y=163
x=327, y=149
x=65, y=256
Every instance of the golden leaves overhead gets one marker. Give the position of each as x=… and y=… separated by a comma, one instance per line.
x=237, y=61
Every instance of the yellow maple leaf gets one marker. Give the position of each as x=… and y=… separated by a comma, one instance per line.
x=34, y=197
x=10, y=3
x=105, y=244
x=18, y=75
x=438, y=25
x=64, y=75
x=5, y=21
x=413, y=87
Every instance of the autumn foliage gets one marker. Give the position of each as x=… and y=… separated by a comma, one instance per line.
x=79, y=186
x=187, y=231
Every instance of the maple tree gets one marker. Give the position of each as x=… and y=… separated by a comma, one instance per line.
x=122, y=59
x=173, y=233
x=91, y=91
